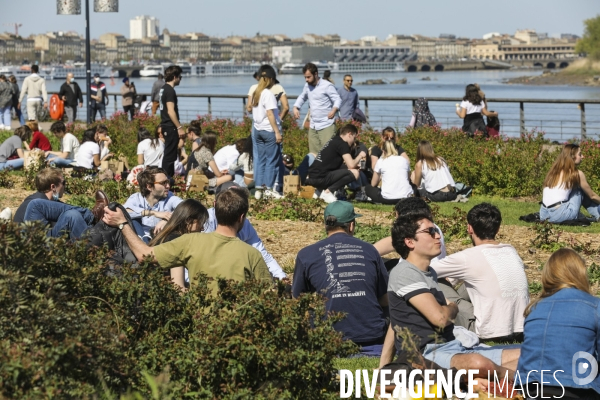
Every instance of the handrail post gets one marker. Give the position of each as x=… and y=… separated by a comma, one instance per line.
x=367, y=110
x=414, y=102
x=522, y=117
x=583, y=127
x=115, y=102
x=209, y=107
x=243, y=107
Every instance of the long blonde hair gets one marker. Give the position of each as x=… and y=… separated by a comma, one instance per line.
x=389, y=149
x=425, y=153
x=564, y=269
x=265, y=82
x=564, y=171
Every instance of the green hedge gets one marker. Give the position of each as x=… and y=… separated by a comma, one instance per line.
x=72, y=327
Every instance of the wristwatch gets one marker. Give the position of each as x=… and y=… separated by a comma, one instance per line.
x=121, y=226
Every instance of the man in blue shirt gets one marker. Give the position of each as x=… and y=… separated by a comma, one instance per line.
x=247, y=234
x=350, y=274
x=324, y=102
x=153, y=206
x=349, y=97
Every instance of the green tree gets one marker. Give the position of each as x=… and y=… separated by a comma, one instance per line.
x=590, y=43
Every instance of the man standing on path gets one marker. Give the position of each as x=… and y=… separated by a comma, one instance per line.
x=169, y=118
x=34, y=86
x=99, y=97
x=349, y=97
x=324, y=102
x=155, y=93
x=128, y=92
x=70, y=93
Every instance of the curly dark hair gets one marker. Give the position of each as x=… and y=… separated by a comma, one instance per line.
x=406, y=227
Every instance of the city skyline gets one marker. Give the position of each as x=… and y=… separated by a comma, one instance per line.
x=550, y=16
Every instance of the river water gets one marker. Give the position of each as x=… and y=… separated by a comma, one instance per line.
x=559, y=121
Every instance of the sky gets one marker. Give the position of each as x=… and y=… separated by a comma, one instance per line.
x=351, y=19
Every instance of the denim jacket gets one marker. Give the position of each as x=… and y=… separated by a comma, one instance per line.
x=558, y=327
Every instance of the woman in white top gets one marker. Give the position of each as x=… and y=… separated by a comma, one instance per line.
x=471, y=109
x=432, y=175
x=244, y=166
x=150, y=150
x=394, y=172
x=566, y=189
x=266, y=137
x=88, y=155
x=104, y=142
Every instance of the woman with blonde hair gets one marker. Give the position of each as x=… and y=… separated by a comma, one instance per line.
x=266, y=137
x=561, y=330
x=387, y=135
x=394, y=173
x=566, y=189
x=432, y=175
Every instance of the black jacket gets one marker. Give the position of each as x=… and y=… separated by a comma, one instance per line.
x=73, y=97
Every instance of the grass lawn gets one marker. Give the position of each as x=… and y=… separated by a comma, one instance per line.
x=511, y=210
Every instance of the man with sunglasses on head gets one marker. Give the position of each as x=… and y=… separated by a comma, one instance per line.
x=490, y=285
x=349, y=97
x=351, y=275
x=151, y=208
x=45, y=206
x=418, y=304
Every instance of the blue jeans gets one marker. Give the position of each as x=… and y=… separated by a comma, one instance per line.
x=59, y=162
x=267, y=158
x=360, y=183
x=304, y=166
x=142, y=230
x=68, y=219
x=5, y=116
x=19, y=115
x=14, y=164
x=101, y=108
x=570, y=209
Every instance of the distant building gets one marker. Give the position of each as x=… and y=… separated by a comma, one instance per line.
x=143, y=26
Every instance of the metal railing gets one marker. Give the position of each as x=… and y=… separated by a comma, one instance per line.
x=560, y=119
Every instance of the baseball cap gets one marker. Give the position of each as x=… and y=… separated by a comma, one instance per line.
x=225, y=186
x=343, y=211
x=96, y=75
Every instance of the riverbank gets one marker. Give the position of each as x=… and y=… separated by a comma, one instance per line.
x=580, y=73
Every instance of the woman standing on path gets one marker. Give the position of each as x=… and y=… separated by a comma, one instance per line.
x=266, y=137
x=471, y=109
x=566, y=189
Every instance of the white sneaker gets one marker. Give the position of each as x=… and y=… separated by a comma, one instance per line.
x=327, y=196
x=6, y=214
x=271, y=194
x=258, y=194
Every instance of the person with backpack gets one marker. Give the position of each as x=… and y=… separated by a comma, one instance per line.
x=472, y=109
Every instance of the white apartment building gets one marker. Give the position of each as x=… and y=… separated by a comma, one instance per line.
x=143, y=26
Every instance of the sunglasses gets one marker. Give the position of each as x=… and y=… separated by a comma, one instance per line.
x=164, y=183
x=432, y=230
x=349, y=80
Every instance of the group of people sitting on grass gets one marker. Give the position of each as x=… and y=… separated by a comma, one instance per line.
x=450, y=303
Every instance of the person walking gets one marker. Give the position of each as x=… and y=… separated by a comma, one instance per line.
x=266, y=137
x=128, y=92
x=169, y=118
x=70, y=93
x=34, y=87
x=155, y=93
x=16, y=92
x=99, y=97
x=324, y=102
x=6, y=98
x=349, y=97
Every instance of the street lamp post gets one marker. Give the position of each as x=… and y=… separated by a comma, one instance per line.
x=73, y=7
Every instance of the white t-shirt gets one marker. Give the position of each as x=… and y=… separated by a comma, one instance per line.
x=434, y=180
x=471, y=108
x=394, y=172
x=259, y=113
x=70, y=144
x=85, y=155
x=226, y=156
x=152, y=156
x=495, y=279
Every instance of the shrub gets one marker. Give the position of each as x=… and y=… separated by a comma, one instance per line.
x=290, y=207
x=72, y=326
